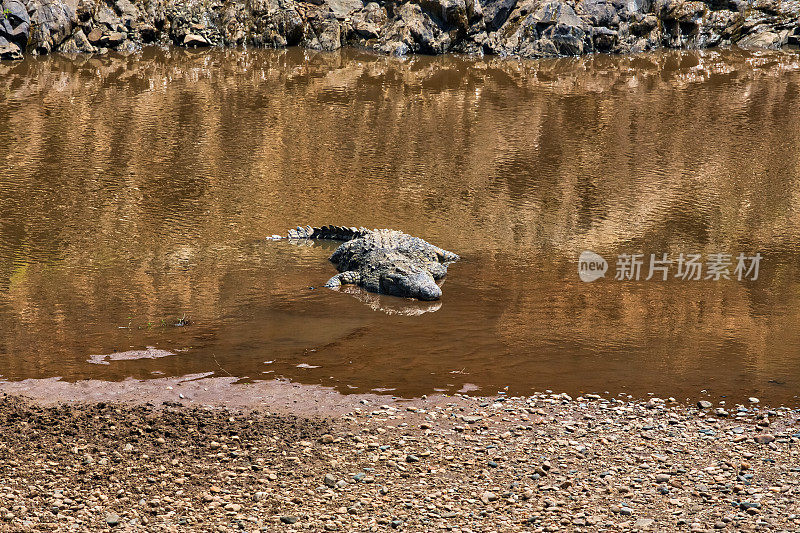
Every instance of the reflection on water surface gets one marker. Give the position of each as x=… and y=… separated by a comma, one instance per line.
x=136, y=192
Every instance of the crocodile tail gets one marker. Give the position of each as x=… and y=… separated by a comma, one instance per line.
x=335, y=233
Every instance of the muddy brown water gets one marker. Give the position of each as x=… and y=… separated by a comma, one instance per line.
x=136, y=192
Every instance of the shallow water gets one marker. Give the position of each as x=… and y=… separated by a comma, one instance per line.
x=135, y=195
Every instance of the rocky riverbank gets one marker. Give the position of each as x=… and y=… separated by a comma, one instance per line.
x=542, y=463
x=526, y=28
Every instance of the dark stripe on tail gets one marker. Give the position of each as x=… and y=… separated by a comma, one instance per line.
x=335, y=233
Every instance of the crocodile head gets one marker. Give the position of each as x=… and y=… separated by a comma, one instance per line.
x=411, y=283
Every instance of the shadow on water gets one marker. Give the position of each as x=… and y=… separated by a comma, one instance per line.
x=136, y=191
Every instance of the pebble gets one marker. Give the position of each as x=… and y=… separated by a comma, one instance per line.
x=620, y=465
x=488, y=496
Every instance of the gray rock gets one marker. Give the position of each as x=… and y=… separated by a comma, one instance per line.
x=764, y=40
x=112, y=519
x=414, y=31
x=51, y=23
x=370, y=21
x=323, y=32
x=289, y=519
x=126, y=8
x=78, y=44
x=15, y=26
x=344, y=8
x=496, y=12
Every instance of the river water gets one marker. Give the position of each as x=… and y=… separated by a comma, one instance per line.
x=136, y=192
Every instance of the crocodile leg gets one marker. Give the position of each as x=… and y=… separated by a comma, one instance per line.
x=350, y=276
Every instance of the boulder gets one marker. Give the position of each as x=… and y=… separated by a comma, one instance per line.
x=604, y=39
x=52, y=22
x=371, y=21
x=458, y=14
x=413, y=30
x=324, y=31
x=15, y=26
x=275, y=23
x=553, y=29
x=77, y=43
x=126, y=9
x=496, y=12
x=344, y=8
x=600, y=13
x=763, y=40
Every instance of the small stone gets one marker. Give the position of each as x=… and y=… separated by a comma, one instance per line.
x=625, y=511
x=765, y=438
x=289, y=519
x=662, y=478
x=643, y=523
x=95, y=35
x=412, y=458
x=329, y=480
x=194, y=40
x=704, y=404
x=326, y=439
x=113, y=39
x=488, y=496
x=112, y=519
x=753, y=400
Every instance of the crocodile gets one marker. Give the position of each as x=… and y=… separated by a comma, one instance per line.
x=383, y=261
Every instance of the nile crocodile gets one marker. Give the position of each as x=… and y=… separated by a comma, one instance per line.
x=383, y=261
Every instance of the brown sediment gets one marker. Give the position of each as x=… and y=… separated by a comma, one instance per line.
x=278, y=395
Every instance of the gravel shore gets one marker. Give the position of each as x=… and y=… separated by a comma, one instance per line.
x=542, y=463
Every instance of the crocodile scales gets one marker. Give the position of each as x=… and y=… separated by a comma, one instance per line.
x=383, y=261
